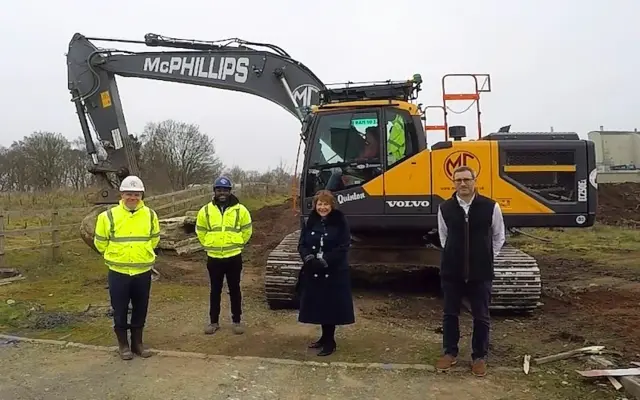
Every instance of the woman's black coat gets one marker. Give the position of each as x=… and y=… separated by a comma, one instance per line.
x=325, y=289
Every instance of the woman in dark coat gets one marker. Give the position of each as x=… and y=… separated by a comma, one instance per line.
x=325, y=281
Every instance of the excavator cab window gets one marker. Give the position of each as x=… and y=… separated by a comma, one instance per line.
x=345, y=150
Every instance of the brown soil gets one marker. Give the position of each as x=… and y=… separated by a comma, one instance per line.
x=584, y=303
x=619, y=204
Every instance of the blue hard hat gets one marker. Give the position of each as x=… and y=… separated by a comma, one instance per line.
x=222, y=182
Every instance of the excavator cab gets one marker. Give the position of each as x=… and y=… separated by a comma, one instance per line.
x=355, y=139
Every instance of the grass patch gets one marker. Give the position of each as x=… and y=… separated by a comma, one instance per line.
x=600, y=243
x=70, y=285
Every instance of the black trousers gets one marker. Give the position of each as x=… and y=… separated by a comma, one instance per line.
x=219, y=268
x=125, y=289
x=479, y=295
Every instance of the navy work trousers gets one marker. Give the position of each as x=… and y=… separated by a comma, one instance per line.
x=479, y=295
x=219, y=268
x=125, y=288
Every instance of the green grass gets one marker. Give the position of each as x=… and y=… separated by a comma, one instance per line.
x=600, y=243
x=72, y=283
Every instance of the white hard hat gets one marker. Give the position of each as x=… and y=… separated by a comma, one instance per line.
x=132, y=184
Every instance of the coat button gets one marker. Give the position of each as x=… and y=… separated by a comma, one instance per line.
x=315, y=275
x=313, y=233
x=326, y=275
x=313, y=247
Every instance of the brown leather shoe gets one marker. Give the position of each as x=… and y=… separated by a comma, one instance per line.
x=479, y=367
x=446, y=362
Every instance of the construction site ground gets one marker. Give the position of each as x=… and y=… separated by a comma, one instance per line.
x=591, y=296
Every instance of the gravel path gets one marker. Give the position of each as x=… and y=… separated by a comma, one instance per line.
x=39, y=371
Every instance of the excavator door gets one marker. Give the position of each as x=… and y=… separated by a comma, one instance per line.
x=344, y=156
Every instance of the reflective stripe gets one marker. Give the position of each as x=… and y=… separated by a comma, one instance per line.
x=224, y=248
x=124, y=239
x=132, y=264
x=206, y=213
x=228, y=229
x=235, y=223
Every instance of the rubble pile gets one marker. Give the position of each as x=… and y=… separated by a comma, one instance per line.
x=178, y=235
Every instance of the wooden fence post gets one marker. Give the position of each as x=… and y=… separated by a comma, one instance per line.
x=1, y=240
x=55, y=235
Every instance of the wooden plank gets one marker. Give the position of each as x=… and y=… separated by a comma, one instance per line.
x=610, y=372
x=569, y=354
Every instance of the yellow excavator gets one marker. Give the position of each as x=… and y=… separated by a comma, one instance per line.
x=389, y=185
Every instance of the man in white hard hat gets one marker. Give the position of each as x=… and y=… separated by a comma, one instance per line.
x=127, y=235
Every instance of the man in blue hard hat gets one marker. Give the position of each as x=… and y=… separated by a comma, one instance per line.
x=223, y=227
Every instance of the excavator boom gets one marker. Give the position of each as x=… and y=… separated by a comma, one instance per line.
x=231, y=65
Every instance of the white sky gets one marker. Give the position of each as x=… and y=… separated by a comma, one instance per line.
x=570, y=64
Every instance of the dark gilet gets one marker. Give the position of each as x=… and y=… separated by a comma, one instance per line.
x=468, y=253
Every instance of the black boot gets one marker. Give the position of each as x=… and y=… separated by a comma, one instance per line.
x=123, y=344
x=317, y=344
x=328, y=347
x=326, y=333
x=136, y=343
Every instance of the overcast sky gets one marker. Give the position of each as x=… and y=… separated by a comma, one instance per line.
x=570, y=64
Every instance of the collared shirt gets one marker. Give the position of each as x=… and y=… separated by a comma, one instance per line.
x=497, y=225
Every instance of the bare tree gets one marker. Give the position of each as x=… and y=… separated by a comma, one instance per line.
x=236, y=174
x=177, y=154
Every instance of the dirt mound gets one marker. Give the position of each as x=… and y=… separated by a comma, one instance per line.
x=619, y=204
x=270, y=225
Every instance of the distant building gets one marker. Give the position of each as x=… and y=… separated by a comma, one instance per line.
x=616, y=150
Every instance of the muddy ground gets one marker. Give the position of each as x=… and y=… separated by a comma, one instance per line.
x=588, y=299
x=619, y=204
x=48, y=372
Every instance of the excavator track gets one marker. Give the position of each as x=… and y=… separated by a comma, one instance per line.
x=517, y=285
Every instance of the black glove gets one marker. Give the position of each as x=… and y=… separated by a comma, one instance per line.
x=322, y=263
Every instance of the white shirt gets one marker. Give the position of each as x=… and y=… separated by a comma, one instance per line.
x=497, y=225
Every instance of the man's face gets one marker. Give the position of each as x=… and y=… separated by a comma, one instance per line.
x=131, y=199
x=465, y=183
x=221, y=194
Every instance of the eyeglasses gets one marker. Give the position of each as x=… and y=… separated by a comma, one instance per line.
x=465, y=180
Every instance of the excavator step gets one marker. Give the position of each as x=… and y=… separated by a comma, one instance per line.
x=517, y=285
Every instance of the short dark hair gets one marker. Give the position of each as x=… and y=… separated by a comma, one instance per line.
x=464, y=168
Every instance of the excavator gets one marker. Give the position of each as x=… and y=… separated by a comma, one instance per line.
x=391, y=195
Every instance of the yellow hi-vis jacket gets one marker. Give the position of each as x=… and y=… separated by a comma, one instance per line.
x=127, y=239
x=396, y=145
x=224, y=235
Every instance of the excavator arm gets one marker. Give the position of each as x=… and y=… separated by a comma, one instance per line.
x=231, y=64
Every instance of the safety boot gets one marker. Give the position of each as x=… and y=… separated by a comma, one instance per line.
x=123, y=344
x=136, y=343
x=211, y=328
x=238, y=328
x=446, y=362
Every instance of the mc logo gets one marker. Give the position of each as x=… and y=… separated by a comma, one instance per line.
x=458, y=159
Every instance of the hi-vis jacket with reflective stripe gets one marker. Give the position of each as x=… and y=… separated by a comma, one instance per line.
x=396, y=145
x=225, y=234
x=127, y=239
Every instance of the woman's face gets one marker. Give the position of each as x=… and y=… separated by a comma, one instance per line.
x=323, y=208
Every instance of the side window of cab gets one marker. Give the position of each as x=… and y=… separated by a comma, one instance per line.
x=401, y=140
